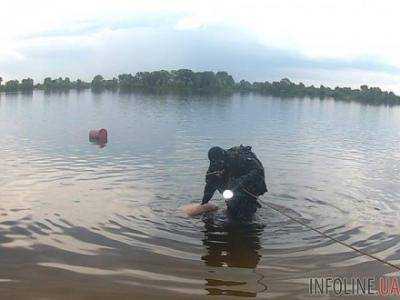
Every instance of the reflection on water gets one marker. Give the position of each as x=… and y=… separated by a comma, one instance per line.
x=233, y=245
x=79, y=221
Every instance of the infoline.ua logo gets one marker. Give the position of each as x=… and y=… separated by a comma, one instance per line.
x=342, y=286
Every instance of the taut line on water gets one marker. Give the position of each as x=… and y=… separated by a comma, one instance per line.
x=270, y=205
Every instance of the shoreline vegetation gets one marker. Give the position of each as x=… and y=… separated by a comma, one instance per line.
x=188, y=81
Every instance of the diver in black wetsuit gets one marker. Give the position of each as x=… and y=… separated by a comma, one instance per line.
x=237, y=169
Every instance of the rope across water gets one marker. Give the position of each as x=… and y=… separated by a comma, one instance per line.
x=270, y=205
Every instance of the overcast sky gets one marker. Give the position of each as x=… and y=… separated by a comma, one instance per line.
x=314, y=41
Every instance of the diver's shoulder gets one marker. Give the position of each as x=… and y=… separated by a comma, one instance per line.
x=239, y=149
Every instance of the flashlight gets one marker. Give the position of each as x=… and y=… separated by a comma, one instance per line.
x=227, y=194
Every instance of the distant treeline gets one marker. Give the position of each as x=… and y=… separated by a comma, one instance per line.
x=185, y=80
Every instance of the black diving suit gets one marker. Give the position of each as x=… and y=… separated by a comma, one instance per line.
x=237, y=169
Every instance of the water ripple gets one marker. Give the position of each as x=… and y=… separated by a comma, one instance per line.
x=89, y=218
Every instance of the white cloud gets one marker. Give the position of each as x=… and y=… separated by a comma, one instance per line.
x=191, y=22
x=7, y=53
x=317, y=29
x=329, y=29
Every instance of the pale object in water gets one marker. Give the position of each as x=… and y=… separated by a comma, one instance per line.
x=195, y=209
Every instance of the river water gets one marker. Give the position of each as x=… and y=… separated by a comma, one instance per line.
x=79, y=221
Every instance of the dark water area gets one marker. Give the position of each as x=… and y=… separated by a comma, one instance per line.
x=78, y=221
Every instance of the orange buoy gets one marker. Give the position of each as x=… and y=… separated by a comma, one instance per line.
x=98, y=136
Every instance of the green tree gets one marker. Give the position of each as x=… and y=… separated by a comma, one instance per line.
x=98, y=83
x=224, y=80
x=111, y=84
x=244, y=86
x=160, y=79
x=47, y=84
x=67, y=83
x=126, y=81
x=206, y=81
x=11, y=86
x=79, y=85
x=184, y=78
x=26, y=84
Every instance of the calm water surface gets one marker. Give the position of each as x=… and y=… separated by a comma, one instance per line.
x=82, y=222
